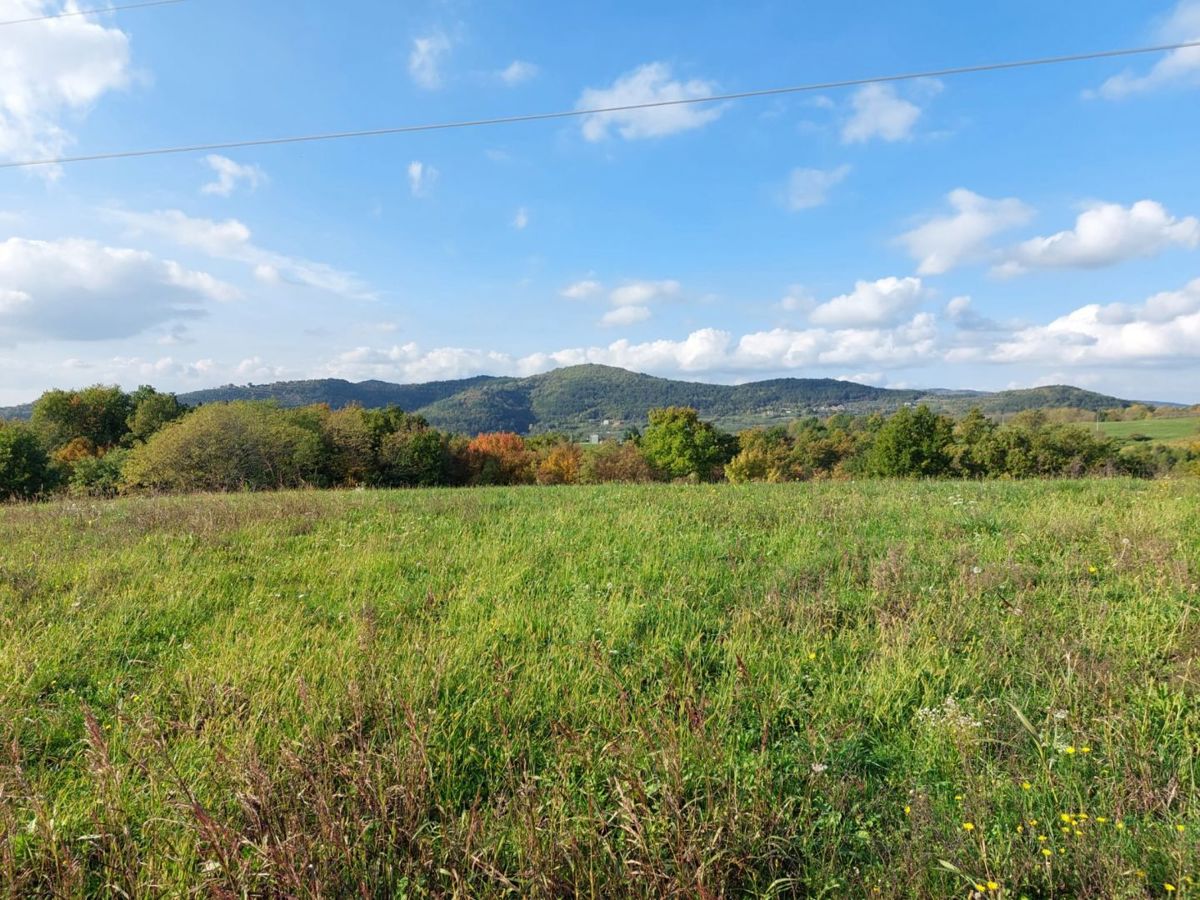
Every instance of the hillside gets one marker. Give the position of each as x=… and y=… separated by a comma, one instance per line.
x=594, y=399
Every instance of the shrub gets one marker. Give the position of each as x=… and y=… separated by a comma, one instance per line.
x=615, y=462
x=561, y=465
x=415, y=458
x=228, y=447
x=500, y=458
x=98, y=476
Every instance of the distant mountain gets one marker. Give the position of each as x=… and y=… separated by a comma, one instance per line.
x=593, y=399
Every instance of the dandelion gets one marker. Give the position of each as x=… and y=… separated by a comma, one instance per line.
x=1025, y=786
x=993, y=886
x=1070, y=751
x=1032, y=822
x=1046, y=852
x=1120, y=826
x=908, y=810
x=1168, y=887
x=1101, y=819
x=981, y=888
x=1020, y=829
x=968, y=826
x=1092, y=570
x=1180, y=828
x=1085, y=749
x=958, y=797
x=1066, y=817
x=1042, y=838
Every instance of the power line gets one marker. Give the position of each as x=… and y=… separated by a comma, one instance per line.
x=88, y=12
x=576, y=113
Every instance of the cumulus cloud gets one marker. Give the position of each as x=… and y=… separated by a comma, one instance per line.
x=231, y=174
x=1166, y=327
x=1179, y=67
x=650, y=83
x=425, y=59
x=808, y=188
x=581, y=290
x=76, y=289
x=625, y=315
x=944, y=242
x=1104, y=235
x=879, y=302
x=49, y=69
x=421, y=178
x=961, y=311
x=880, y=112
x=705, y=351
x=517, y=72
x=231, y=240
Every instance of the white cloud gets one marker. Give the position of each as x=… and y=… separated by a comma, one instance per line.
x=639, y=293
x=797, y=299
x=517, y=72
x=1105, y=234
x=76, y=289
x=581, y=290
x=1163, y=329
x=947, y=241
x=705, y=351
x=521, y=219
x=421, y=178
x=1179, y=67
x=230, y=174
x=49, y=69
x=625, y=315
x=808, y=188
x=650, y=83
x=961, y=312
x=880, y=112
x=231, y=240
x=879, y=302
x=425, y=59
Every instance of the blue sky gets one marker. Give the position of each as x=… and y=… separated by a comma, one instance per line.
x=985, y=231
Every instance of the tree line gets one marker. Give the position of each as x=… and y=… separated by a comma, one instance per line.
x=102, y=441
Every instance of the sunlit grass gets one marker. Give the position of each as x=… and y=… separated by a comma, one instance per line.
x=886, y=689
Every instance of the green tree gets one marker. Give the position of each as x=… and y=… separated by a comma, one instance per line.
x=415, y=458
x=974, y=452
x=151, y=411
x=98, y=414
x=765, y=455
x=678, y=445
x=24, y=466
x=912, y=444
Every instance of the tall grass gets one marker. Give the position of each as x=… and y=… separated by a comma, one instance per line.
x=879, y=689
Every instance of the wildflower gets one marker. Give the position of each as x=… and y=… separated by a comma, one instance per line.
x=1032, y=822
x=1066, y=817
x=1180, y=828
x=908, y=810
x=968, y=826
x=1120, y=826
x=981, y=888
x=812, y=656
x=1042, y=838
x=818, y=768
x=1101, y=819
x=1060, y=714
x=958, y=797
x=1168, y=887
x=1092, y=570
x=976, y=570
x=1025, y=786
x=1046, y=852
x=1085, y=749
x=1020, y=829
x=993, y=886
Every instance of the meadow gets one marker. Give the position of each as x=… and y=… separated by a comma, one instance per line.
x=1168, y=430
x=884, y=688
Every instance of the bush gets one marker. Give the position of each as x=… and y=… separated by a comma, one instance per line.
x=500, y=458
x=98, y=476
x=415, y=458
x=615, y=462
x=561, y=465
x=24, y=466
x=228, y=447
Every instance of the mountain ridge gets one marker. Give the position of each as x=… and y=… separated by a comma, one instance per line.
x=591, y=398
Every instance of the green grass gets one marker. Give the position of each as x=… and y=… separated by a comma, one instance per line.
x=1158, y=430
x=766, y=690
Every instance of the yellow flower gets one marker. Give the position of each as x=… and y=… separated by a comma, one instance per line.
x=1069, y=751
x=958, y=796
x=1085, y=749
x=1032, y=822
x=1120, y=826
x=1025, y=785
x=968, y=826
x=1168, y=887
x=993, y=886
x=981, y=888
x=1041, y=837
x=908, y=810
x=1101, y=819
x=1092, y=570
x=1180, y=828
x=1065, y=817
x=1020, y=829
x=1046, y=852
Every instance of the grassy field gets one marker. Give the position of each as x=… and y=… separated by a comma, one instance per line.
x=816, y=690
x=1183, y=429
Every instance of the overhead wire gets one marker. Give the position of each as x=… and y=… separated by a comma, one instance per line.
x=600, y=111
x=89, y=12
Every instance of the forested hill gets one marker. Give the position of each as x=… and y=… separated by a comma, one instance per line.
x=602, y=399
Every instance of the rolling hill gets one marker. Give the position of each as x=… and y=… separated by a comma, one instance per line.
x=594, y=399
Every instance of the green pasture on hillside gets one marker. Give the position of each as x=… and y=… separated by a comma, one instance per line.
x=890, y=689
